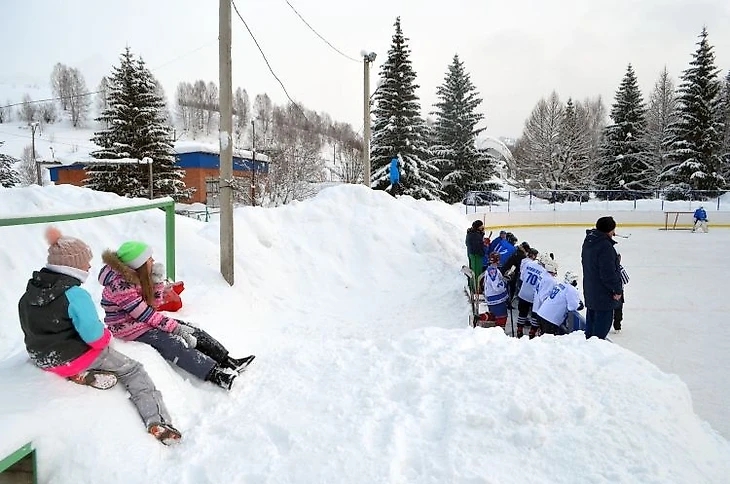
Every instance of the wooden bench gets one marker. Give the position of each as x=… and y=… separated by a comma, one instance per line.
x=668, y=215
x=19, y=467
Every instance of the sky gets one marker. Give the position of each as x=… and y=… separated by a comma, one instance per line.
x=516, y=52
x=366, y=369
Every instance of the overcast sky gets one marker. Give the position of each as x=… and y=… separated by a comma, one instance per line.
x=516, y=51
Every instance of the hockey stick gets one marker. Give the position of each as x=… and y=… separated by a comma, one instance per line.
x=623, y=236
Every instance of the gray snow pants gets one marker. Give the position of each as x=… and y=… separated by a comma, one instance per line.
x=175, y=351
x=133, y=376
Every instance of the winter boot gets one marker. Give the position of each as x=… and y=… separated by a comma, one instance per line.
x=221, y=377
x=238, y=364
x=210, y=346
x=99, y=379
x=533, y=332
x=165, y=433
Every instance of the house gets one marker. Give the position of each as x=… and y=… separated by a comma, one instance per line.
x=201, y=162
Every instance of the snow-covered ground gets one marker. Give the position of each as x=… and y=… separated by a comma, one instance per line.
x=366, y=369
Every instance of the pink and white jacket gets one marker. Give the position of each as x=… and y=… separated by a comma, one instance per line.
x=128, y=316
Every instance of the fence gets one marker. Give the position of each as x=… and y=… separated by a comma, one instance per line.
x=165, y=203
x=547, y=200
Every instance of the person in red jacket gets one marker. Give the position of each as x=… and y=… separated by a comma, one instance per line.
x=63, y=334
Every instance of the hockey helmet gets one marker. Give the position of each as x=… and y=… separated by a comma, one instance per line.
x=571, y=278
x=551, y=266
x=494, y=258
x=543, y=258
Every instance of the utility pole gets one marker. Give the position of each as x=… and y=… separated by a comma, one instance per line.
x=226, y=147
x=39, y=179
x=367, y=59
x=253, y=169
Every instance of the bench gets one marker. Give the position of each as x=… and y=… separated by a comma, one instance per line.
x=668, y=215
x=19, y=467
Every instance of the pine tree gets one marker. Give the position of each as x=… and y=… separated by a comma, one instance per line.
x=660, y=114
x=461, y=166
x=695, y=138
x=622, y=164
x=134, y=117
x=398, y=128
x=9, y=176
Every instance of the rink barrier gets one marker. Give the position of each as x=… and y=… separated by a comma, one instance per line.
x=167, y=204
x=20, y=466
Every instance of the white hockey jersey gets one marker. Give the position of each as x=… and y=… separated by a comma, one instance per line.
x=495, y=288
x=562, y=299
x=545, y=286
x=530, y=274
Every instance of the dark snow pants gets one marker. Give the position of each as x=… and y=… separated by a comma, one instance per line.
x=598, y=323
x=174, y=350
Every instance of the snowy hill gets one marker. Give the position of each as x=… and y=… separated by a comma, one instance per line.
x=366, y=371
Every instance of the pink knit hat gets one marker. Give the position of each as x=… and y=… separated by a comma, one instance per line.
x=67, y=251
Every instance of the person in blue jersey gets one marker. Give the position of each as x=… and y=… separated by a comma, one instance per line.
x=63, y=334
x=493, y=244
x=700, y=220
x=602, y=286
x=394, y=177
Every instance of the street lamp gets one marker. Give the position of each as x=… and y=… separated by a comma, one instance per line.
x=368, y=58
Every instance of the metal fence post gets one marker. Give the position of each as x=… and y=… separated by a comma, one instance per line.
x=509, y=195
x=170, y=240
x=530, y=199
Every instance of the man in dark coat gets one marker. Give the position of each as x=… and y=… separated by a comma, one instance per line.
x=475, y=248
x=601, y=277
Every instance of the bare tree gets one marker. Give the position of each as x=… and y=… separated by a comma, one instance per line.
x=28, y=111
x=27, y=167
x=541, y=138
x=61, y=84
x=197, y=101
x=183, y=109
x=659, y=115
x=5, y=114
x=212, y=108
x=348, y=167
x=78, y=101
x=102, y=100
x=47, y=112
x=242, y=111
x=263, y=114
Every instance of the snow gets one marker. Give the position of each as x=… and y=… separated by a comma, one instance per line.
x=366, y=370
x=205, y=147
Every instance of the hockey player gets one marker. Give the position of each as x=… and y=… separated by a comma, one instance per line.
x=700, y=218
x=530, y=272
x=495, y=292
x=545, y=285
x=562, y=303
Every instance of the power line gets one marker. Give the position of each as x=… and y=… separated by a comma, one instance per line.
x=318, y=35
x=267, y=60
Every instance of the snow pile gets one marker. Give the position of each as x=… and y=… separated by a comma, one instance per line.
x=365, y=370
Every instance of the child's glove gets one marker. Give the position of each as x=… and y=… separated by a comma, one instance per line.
x=158, y=272
x=185, y=331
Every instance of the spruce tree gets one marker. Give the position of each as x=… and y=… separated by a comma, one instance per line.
x=461, y=166
x=622, y=163
x=398, y=128
x=134, y=117
x=9, y=176
x=725, y=115
x=695, y=138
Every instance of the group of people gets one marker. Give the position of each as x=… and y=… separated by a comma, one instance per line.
x=63, y=333
x=545, y=304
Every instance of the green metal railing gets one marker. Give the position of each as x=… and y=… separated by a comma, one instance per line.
x=167, y=203
x=19, y=455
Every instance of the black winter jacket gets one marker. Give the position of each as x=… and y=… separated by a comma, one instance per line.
x=601, y=276
x=474, y=242
x=50, y=336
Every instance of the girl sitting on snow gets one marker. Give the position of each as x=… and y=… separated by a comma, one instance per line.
x=63, y=334
x=133, y=289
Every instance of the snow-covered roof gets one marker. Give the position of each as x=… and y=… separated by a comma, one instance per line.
x=201, y=147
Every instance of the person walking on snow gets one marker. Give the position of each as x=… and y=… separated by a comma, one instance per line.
x=63, y=334
x=700, y=217
x=133, y=288
x=602, y=286
x=394, y=177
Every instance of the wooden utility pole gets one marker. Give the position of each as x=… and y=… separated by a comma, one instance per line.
x=367, y=59
x=253, y=169
x=39, y=179
x=226, y=147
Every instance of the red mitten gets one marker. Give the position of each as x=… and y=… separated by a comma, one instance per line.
x=178, y=287
x=171, y=300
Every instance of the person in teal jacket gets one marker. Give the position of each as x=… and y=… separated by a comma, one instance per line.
x=63, y=334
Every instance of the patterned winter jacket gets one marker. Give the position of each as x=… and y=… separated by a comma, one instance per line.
x=62, y=330
x=128, y=316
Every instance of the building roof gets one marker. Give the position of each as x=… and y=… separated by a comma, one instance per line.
x=201, y=147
